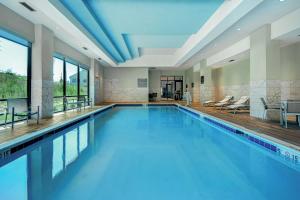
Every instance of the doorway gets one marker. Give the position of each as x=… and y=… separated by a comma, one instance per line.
x=171, y=87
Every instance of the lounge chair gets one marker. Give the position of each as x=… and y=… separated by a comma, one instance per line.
x=73, y=103
x=226, y=101
x=83, y=100
x=211, y=102
x=268, y=107
x=20, y=108
x=242, y=103
x=289, y=107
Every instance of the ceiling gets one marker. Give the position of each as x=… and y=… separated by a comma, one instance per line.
x=125, y=28
x=155, y=33
x=265, y=13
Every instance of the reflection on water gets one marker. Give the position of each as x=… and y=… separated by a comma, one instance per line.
x=27, y=177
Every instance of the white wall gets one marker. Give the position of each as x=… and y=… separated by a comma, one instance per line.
x=69, y=52
x=16, y=24
x=120, y=84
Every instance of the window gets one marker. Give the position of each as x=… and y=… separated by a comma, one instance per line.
x=14, y=73
x=58, y=84
x=70, y=81
x=84, y=82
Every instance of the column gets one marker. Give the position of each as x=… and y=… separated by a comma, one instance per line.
x=42, y=71
x=207, y=88
x=92, y=79
x=196, y=88
x=264, y=71
x=96, y=82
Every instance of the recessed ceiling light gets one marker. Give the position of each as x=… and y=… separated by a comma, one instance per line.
x=238, y=29
x=85, y=48
x=281, y=0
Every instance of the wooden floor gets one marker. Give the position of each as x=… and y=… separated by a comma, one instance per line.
x=289, y=135
x=272, y=129
x=23, y=128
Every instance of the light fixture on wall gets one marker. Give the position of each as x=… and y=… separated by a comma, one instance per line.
x=27, y=6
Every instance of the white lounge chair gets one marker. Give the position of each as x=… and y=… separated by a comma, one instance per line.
x=211, y=102
x=242, y=103
x=226, y=101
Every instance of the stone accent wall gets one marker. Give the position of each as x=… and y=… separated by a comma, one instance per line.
x=120, y=85
x=268, y=89
x=114, y=93
x=290, y=90
x=237, y=91
x=196, y=92
x=207, y=93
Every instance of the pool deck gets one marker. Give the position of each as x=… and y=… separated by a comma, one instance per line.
x=21, y=129
x=291, y=135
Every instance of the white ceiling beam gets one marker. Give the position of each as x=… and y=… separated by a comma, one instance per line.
x=229, y=13
x=235, y=49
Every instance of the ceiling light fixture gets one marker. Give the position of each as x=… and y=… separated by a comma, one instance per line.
x=238, y=29
x=281, y=0
x=99, y=58
x=231, y=60
x=31, y=9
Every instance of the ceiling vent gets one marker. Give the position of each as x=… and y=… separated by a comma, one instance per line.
x=27, y=6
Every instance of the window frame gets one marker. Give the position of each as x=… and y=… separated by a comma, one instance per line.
x=78, y=65
x=28, y=45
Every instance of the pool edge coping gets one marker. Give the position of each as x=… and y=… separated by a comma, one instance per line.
x=8, y=145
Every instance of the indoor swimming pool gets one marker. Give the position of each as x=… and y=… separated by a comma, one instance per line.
x=148, y=153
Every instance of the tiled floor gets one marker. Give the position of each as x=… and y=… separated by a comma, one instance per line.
x=272, y=129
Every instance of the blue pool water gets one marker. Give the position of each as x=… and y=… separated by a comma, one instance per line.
x=140, y=153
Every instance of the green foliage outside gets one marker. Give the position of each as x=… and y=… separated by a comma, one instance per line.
x=12, y=85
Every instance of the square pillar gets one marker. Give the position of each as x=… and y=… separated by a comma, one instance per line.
x=264, y=72
x=206, y=89
x=96, y=82
x=42, y=71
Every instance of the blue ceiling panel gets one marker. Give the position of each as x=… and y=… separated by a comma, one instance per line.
x=123, y=26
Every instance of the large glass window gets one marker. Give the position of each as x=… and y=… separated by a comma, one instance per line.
x=58, y=84
x=72, y=79
x=13, y=72
x=68, y=83
x=83, y=82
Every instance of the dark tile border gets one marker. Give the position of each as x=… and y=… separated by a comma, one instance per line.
x=241, y=133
